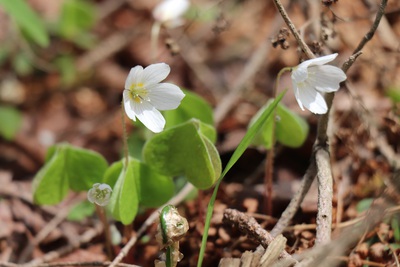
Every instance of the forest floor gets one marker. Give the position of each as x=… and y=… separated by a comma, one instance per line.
x=209, y=55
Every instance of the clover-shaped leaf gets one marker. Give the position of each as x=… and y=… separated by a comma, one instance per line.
x=124, y=201
x=185, y=150
x=192, y=106
x=50, y=184
x=290, y=129
x=154, y=189
x=67, y=167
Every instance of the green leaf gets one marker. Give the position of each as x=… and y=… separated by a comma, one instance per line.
x=291, y=129
x=136, y=141
x=66, y=66
x=22, y=64
x=192, y=106
x=184, y=150
x=67, y=167
x=251, y=132
x=81, y=211
x=396, y=228
x=27, y=20
x=364, y=204
x=84, y=168
x=77, y=16
x=11, y=120
x=394, y=94
x=155, y=189
x=50, y=185
x=124, y=201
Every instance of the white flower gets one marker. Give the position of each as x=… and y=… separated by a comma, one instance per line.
x=99, y=194
x=144, y=95
x=169, y=12
x=312, y=78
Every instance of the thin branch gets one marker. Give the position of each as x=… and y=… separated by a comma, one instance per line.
x=304, y=47
x=45, y=231
x=324, y=255
x=368, y=36
x=250, y=226
x=154, y=216
x=85, y=238
x=296, y=201
x=325, y=196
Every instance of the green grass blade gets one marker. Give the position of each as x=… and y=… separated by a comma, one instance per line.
x=27, y=20
x=236, y=155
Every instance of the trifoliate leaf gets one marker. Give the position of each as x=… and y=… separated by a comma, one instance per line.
x=184, y=150
x=124, y=202
x=192, y=106
x=67, y=167
x=155, y=189
x=290, y=129
x=50, y=184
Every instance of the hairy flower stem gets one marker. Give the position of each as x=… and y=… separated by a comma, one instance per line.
x=127, y=228
x=107, y=235
x=269, y=163
x=124, y=138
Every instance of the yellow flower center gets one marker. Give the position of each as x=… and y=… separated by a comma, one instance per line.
x=138, y=93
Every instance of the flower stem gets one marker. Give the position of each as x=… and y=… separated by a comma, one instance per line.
x=155, y=33
x=269, y=164
x=127, y=229
x=107, y=235
x=124, y=137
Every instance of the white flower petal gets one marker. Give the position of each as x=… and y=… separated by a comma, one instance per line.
x=105, y=187
x=170, y=10
x=134, y=76
x=165, y=96
x=326, y=78
x=149, y=116
x=91, y=195
x=155, y=73
x=103, y=201
x=128, y=105
x=174, y=23
x=320, y=60
x=297, y=94
x=312, y=100
x=299, y=74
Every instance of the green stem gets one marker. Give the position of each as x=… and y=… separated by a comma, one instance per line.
x=169, y=262
x=124, y=137
x=269, y=164
x=107, y=235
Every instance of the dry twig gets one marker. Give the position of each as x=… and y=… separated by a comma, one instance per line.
x=250, y=226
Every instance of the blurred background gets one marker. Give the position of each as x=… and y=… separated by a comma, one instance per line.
x=63, y=66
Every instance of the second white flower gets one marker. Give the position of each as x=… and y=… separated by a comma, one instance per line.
x=312, y=78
